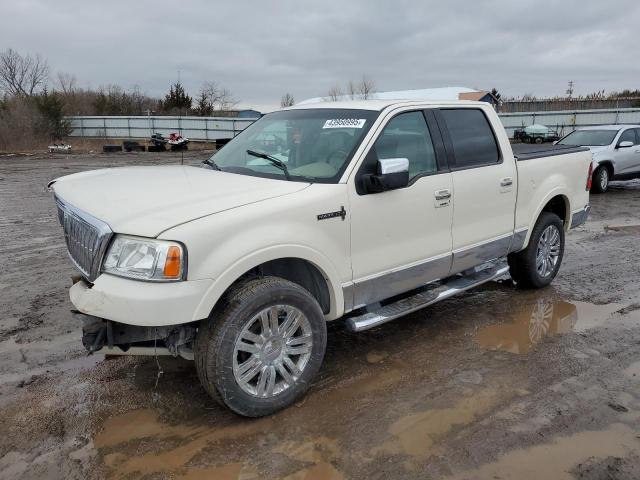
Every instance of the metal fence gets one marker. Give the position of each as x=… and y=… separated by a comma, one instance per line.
x=193, y=128
x=220, y=128
x=566, y=121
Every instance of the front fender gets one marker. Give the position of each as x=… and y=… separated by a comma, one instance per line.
x=238, y=268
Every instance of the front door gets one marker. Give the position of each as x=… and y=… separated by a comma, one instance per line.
x=401, y=239
x=484, y=188
x=627, y=159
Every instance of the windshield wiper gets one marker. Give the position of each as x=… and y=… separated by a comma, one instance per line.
x=212, y=164
x=274, y=161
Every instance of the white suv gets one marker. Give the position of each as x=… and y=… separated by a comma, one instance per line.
x=616, y=152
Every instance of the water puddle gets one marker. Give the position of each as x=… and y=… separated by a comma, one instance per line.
x=416, y=434
x=540, y=317
x=632, y=229
x=558, y=458
x=179, y=449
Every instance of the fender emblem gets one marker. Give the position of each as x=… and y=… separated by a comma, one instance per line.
x=341, y=213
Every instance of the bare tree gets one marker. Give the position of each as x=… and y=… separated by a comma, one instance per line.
x=287, y=100
x=216, y=97
x=365, y=87
x=352, y=89
x=22, y=75
x=334, y=93
x=66, y=82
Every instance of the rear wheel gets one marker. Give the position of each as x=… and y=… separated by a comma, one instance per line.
x=537, y=265
x=600, y=181
x=259, y=352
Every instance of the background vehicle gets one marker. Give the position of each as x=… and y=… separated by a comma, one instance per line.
x=616, y=152
x=363, y=210
x=535, y=134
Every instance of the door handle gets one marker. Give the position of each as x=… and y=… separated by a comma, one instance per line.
x=506, y=182
x=443, y=194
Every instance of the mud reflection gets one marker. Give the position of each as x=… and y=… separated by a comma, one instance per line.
x=542, y=317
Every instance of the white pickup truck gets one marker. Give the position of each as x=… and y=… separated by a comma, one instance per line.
x=363, y=211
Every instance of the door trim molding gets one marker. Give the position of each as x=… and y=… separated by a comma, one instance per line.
x=378, y=287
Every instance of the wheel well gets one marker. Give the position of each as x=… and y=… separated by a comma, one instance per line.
x=560, y=206
x=298, y=271
x=608, y=166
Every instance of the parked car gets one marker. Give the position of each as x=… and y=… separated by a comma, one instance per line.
x=535, y=134
x=362, y=211
x=616, y=152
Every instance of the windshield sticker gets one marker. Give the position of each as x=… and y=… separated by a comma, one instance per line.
x=344, y=123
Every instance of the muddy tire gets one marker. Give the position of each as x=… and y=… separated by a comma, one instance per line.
x=537, y=265
x=600, y=181
x=259, y=351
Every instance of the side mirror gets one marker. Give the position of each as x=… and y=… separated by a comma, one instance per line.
x=393, y=173
x=625, y=144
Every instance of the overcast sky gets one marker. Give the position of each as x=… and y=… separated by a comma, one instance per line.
x=262, y=49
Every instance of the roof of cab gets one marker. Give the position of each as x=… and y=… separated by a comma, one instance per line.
x=378, y=105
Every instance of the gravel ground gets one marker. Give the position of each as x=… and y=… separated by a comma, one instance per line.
x=496, y=383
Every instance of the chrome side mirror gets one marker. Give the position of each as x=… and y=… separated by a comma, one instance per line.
x=625, y=144
x=393, y=173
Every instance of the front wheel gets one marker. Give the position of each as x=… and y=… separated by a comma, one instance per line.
x=259, y=352
x=537, y=265
x=600, y=181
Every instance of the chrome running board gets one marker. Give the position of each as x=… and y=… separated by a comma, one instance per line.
x=446, y=289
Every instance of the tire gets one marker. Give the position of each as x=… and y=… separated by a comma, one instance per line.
x=524, y=269
x=238, y=322
x=600, y=180
x=538, y=140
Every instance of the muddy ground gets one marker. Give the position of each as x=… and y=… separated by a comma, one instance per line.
x=497, y=383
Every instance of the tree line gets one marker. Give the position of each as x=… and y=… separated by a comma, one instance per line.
x=34, y=102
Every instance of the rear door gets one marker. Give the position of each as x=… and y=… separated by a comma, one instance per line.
x=484, y=187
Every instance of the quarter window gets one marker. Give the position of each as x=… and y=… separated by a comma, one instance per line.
x=474, y=143
x=407, y=136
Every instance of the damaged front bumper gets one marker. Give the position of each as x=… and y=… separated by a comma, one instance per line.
x=106, y=336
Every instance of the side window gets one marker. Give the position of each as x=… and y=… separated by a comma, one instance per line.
x=407, y=136
x=628, y=136
x=473, y=141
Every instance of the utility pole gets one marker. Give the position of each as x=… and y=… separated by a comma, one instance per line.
x=570, y=89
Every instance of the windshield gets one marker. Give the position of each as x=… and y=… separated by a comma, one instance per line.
x=589, y=138
x=313, y=145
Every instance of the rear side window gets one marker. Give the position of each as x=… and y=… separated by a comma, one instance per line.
x=473, y=141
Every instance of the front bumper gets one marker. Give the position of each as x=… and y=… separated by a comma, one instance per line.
x=579, y=217
x=134, y=302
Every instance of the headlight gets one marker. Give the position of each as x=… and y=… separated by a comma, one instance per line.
x=145, y=259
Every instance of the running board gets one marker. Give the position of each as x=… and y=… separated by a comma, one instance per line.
x=423, y=299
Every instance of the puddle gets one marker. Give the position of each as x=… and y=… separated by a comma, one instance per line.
x=557, y=458
x=542, y=317
x=632, y=229
x=176, y=449
x=416, y=433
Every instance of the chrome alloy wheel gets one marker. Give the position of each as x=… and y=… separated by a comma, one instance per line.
x=548, y=251
x=604, y=179
x=272, y=351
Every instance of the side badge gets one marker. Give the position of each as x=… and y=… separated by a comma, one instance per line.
x=341, y=213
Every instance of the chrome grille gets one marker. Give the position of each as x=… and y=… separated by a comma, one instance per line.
x=86, y=238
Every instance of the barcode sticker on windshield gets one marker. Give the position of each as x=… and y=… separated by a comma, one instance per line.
x=344, y=123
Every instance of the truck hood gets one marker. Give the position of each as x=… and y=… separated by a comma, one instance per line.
x=146, y=201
